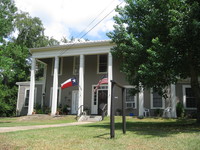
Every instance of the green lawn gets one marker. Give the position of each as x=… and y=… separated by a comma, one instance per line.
x=142, y=134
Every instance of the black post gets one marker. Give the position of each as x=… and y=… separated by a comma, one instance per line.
x=123, y=111
x=112, y=118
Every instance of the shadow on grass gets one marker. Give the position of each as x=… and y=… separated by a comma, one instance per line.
x=152, y=128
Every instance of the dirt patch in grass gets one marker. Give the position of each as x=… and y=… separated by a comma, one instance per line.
x=37, y=119
x=40, y=117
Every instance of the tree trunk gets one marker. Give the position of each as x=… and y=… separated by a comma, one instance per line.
x=196, y=89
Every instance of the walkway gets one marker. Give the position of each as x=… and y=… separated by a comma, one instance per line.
x=21, y=128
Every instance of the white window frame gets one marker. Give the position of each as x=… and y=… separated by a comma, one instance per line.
x=26, y=89
x=75, y=65
x=163, y=101
x=59, y=97
x=60, y=67
x=184, y=97
x=130, y=102
x=98, y=63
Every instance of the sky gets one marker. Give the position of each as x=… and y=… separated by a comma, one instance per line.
x=67, y=18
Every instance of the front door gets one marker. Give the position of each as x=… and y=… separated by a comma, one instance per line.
x=99, y=98
x=75, y=97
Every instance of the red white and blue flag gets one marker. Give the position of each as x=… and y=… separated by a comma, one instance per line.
x=104, y=80
x=68, y=83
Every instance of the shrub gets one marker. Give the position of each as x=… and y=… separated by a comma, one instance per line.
x=180, y=112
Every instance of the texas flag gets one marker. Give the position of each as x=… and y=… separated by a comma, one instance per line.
x=69, y=82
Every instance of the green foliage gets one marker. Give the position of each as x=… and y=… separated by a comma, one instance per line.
x=180, y=110
x=14, y=55
x=31, y=32
x=7, y=15
x=158, y=112
x=158, y=43
x=7, y=101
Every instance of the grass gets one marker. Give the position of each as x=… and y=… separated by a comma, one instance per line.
x=142, y=134
x=35, y=120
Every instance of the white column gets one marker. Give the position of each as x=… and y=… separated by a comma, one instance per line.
x=110, y=77
x=141, y=103
x=32, y=88
x=55, y=87
x=81, y=84
x=173, y=100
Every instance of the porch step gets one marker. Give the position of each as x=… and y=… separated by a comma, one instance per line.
x=86, y=118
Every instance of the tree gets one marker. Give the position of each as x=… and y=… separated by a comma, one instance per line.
x=31, y=32
x=13, y=69
x=7, y=15
x=159, y=43
x=14, y=54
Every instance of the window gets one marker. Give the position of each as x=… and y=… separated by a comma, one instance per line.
x=157, y=100
x=189, y=100
x=58, y=97
x=76, y=65
x=102, y=63
x=60, y=66
x=26, y=101
x=130, y=99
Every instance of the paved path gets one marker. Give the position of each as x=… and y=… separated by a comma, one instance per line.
x=20, y=128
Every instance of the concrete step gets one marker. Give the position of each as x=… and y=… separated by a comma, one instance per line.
x=86, y=118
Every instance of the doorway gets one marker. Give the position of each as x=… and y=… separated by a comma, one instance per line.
x=99, y=98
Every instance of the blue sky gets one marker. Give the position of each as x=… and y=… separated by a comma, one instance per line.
x=67, y=18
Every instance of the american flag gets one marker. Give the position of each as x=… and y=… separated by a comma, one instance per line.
x=104, y=80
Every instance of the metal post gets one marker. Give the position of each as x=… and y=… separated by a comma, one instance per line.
x=123, y=111
x=112, y=118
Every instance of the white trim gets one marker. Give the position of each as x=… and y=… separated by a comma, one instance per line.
x=26, y=89
x=17, y=107
x=98, y=59
x=135, y=98
x=94, y=108
x=163, y=101
x=77, y=45
x=59, y=97
x=72, y=52
x=27, y=83
x=184, y=97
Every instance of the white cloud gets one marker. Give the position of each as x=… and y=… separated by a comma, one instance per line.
x=65, y=17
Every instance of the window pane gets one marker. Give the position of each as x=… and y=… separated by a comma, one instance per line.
x=103, y=63
x=190, y=99
x=130, y=99
x=157, y=100
x=27, y=98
